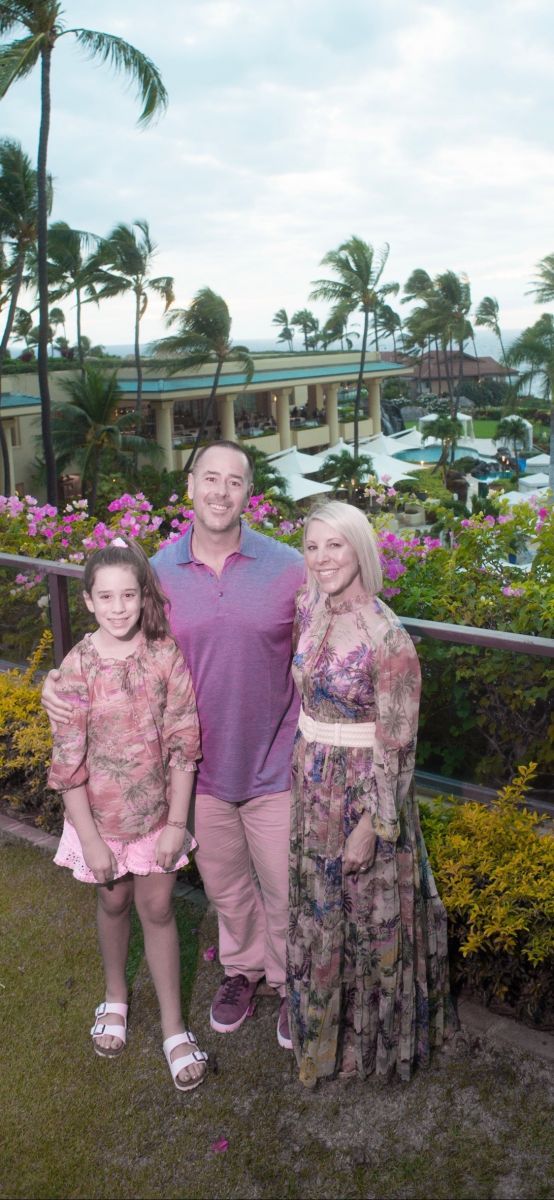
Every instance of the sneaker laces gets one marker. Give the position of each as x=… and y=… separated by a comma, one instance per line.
x=232, y=987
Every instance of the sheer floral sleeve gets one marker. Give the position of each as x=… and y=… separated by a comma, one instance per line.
x=181, y=731
x=397, y=683
x=68, y=768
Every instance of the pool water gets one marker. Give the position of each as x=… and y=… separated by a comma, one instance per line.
x=431, y=454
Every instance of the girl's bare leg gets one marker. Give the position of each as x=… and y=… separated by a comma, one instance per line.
x=154, y=904
x=114, y=926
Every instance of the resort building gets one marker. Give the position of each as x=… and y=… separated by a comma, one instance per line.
x=432, y=371
x=303, y=400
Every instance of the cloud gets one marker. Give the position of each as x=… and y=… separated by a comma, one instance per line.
x=291, y=126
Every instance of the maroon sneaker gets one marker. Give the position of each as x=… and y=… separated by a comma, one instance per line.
x=232, y=1003
x=283, y=1030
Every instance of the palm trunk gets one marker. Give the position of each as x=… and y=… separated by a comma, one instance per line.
x=207, y=413
x=138, y=368
x=6, y=466
x=138, y=364
x=359, y=385
x=42, y=263
x=80, y=354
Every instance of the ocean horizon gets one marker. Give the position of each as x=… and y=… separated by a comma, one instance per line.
x=486, y=342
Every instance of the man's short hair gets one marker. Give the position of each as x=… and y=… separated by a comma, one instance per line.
x=226, y=445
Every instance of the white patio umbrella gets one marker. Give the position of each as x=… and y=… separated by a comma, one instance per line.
x=293, y=462
x=300, y=488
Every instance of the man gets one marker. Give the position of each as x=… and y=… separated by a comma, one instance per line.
x=232, y=593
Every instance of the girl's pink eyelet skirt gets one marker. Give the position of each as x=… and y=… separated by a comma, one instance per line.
x=135, y=858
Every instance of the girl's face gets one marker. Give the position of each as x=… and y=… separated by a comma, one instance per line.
x=116, y=601
x=332, y=561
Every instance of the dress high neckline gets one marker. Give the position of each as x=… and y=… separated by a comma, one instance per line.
x=344, y=606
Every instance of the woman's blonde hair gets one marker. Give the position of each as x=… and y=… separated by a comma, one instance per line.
x=355, y=527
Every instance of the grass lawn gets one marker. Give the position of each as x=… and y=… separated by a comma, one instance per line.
x=74, y=1125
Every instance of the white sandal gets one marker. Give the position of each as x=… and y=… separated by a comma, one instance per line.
x=101, y=1030
x=179, y=1064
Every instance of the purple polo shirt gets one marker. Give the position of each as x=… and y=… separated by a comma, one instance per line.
x=235, y=632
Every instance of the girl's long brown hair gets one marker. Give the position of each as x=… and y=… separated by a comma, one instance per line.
x=153, y=621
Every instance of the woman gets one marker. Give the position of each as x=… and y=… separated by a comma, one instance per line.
x=367, y=952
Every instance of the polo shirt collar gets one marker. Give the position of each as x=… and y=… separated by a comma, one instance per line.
x=247, y=544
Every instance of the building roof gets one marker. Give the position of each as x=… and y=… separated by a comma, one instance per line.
x=202, y=381
x=433, y=366
x=18, y=400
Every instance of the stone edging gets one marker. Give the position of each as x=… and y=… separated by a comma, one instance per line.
x=478, y=1019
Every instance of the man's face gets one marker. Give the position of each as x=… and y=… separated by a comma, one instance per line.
x=219, y=488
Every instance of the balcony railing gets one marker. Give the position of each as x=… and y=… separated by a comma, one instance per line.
x=58, y=573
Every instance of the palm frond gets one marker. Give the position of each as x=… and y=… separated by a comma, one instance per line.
x=17, y=60
x=126, y=59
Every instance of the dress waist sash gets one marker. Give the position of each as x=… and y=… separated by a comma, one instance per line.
x=337, y=734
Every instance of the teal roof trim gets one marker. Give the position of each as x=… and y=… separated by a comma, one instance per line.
x=259, y=379
x=16, y=400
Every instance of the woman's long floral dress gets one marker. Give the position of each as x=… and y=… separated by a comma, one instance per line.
x=367, y=961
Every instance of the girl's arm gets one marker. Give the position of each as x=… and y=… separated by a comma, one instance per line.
x=181, y=737
x=97, y=855
x=170, y=842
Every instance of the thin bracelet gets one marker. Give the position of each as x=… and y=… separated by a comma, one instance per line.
x=177, y=824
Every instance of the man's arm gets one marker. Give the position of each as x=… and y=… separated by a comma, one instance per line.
x=59, y=710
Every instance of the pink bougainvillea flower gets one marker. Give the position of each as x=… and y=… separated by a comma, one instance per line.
x=209, y=954
x=220, y=1146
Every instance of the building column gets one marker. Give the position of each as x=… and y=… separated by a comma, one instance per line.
x=332, y=412
x=319, y=397
x=164, y=430
x=283, y=419
x=226, y=415
x=374, y=400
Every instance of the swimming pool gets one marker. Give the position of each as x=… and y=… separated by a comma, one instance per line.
x=431, y=454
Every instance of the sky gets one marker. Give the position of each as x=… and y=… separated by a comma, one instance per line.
x=293, y=124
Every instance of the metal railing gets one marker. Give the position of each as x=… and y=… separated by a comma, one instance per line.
x=58, y=573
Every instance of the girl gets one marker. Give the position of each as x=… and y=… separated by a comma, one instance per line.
x=125, y=767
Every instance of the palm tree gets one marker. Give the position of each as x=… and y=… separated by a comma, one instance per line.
x=307, y=322
x=336, y=329
x=512, y=431
x=534, y=348
x=543, y=287
x=447, y=430
x=268, y=479
x=442, y=317
x=345, y=470
x=71, y=271
x=203, y=337
x=18, y=228
x=487, y=315
x=89, y=432
x=389, y=323
x=43, y=26
x=359, y=269
x=287, y=332
x=123, y=264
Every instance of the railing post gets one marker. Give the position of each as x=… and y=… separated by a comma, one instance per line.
x=59, y=616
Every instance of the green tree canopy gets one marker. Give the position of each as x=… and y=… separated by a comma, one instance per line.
x=89, y=432
x=356, y=288
x=42, y=24
x=203, y=337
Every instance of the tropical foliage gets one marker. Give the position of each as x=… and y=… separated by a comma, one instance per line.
x=203, y=338
x=89, y=431
x=357, y=288
x=123, y=264
x=494, y=867
x=42, y=25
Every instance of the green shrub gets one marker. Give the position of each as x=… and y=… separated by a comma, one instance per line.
x=494, y=868
x=25, y=742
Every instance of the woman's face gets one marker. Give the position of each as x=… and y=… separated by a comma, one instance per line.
x=332, y=561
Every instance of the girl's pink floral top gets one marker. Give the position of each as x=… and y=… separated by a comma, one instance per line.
x=133, y=718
